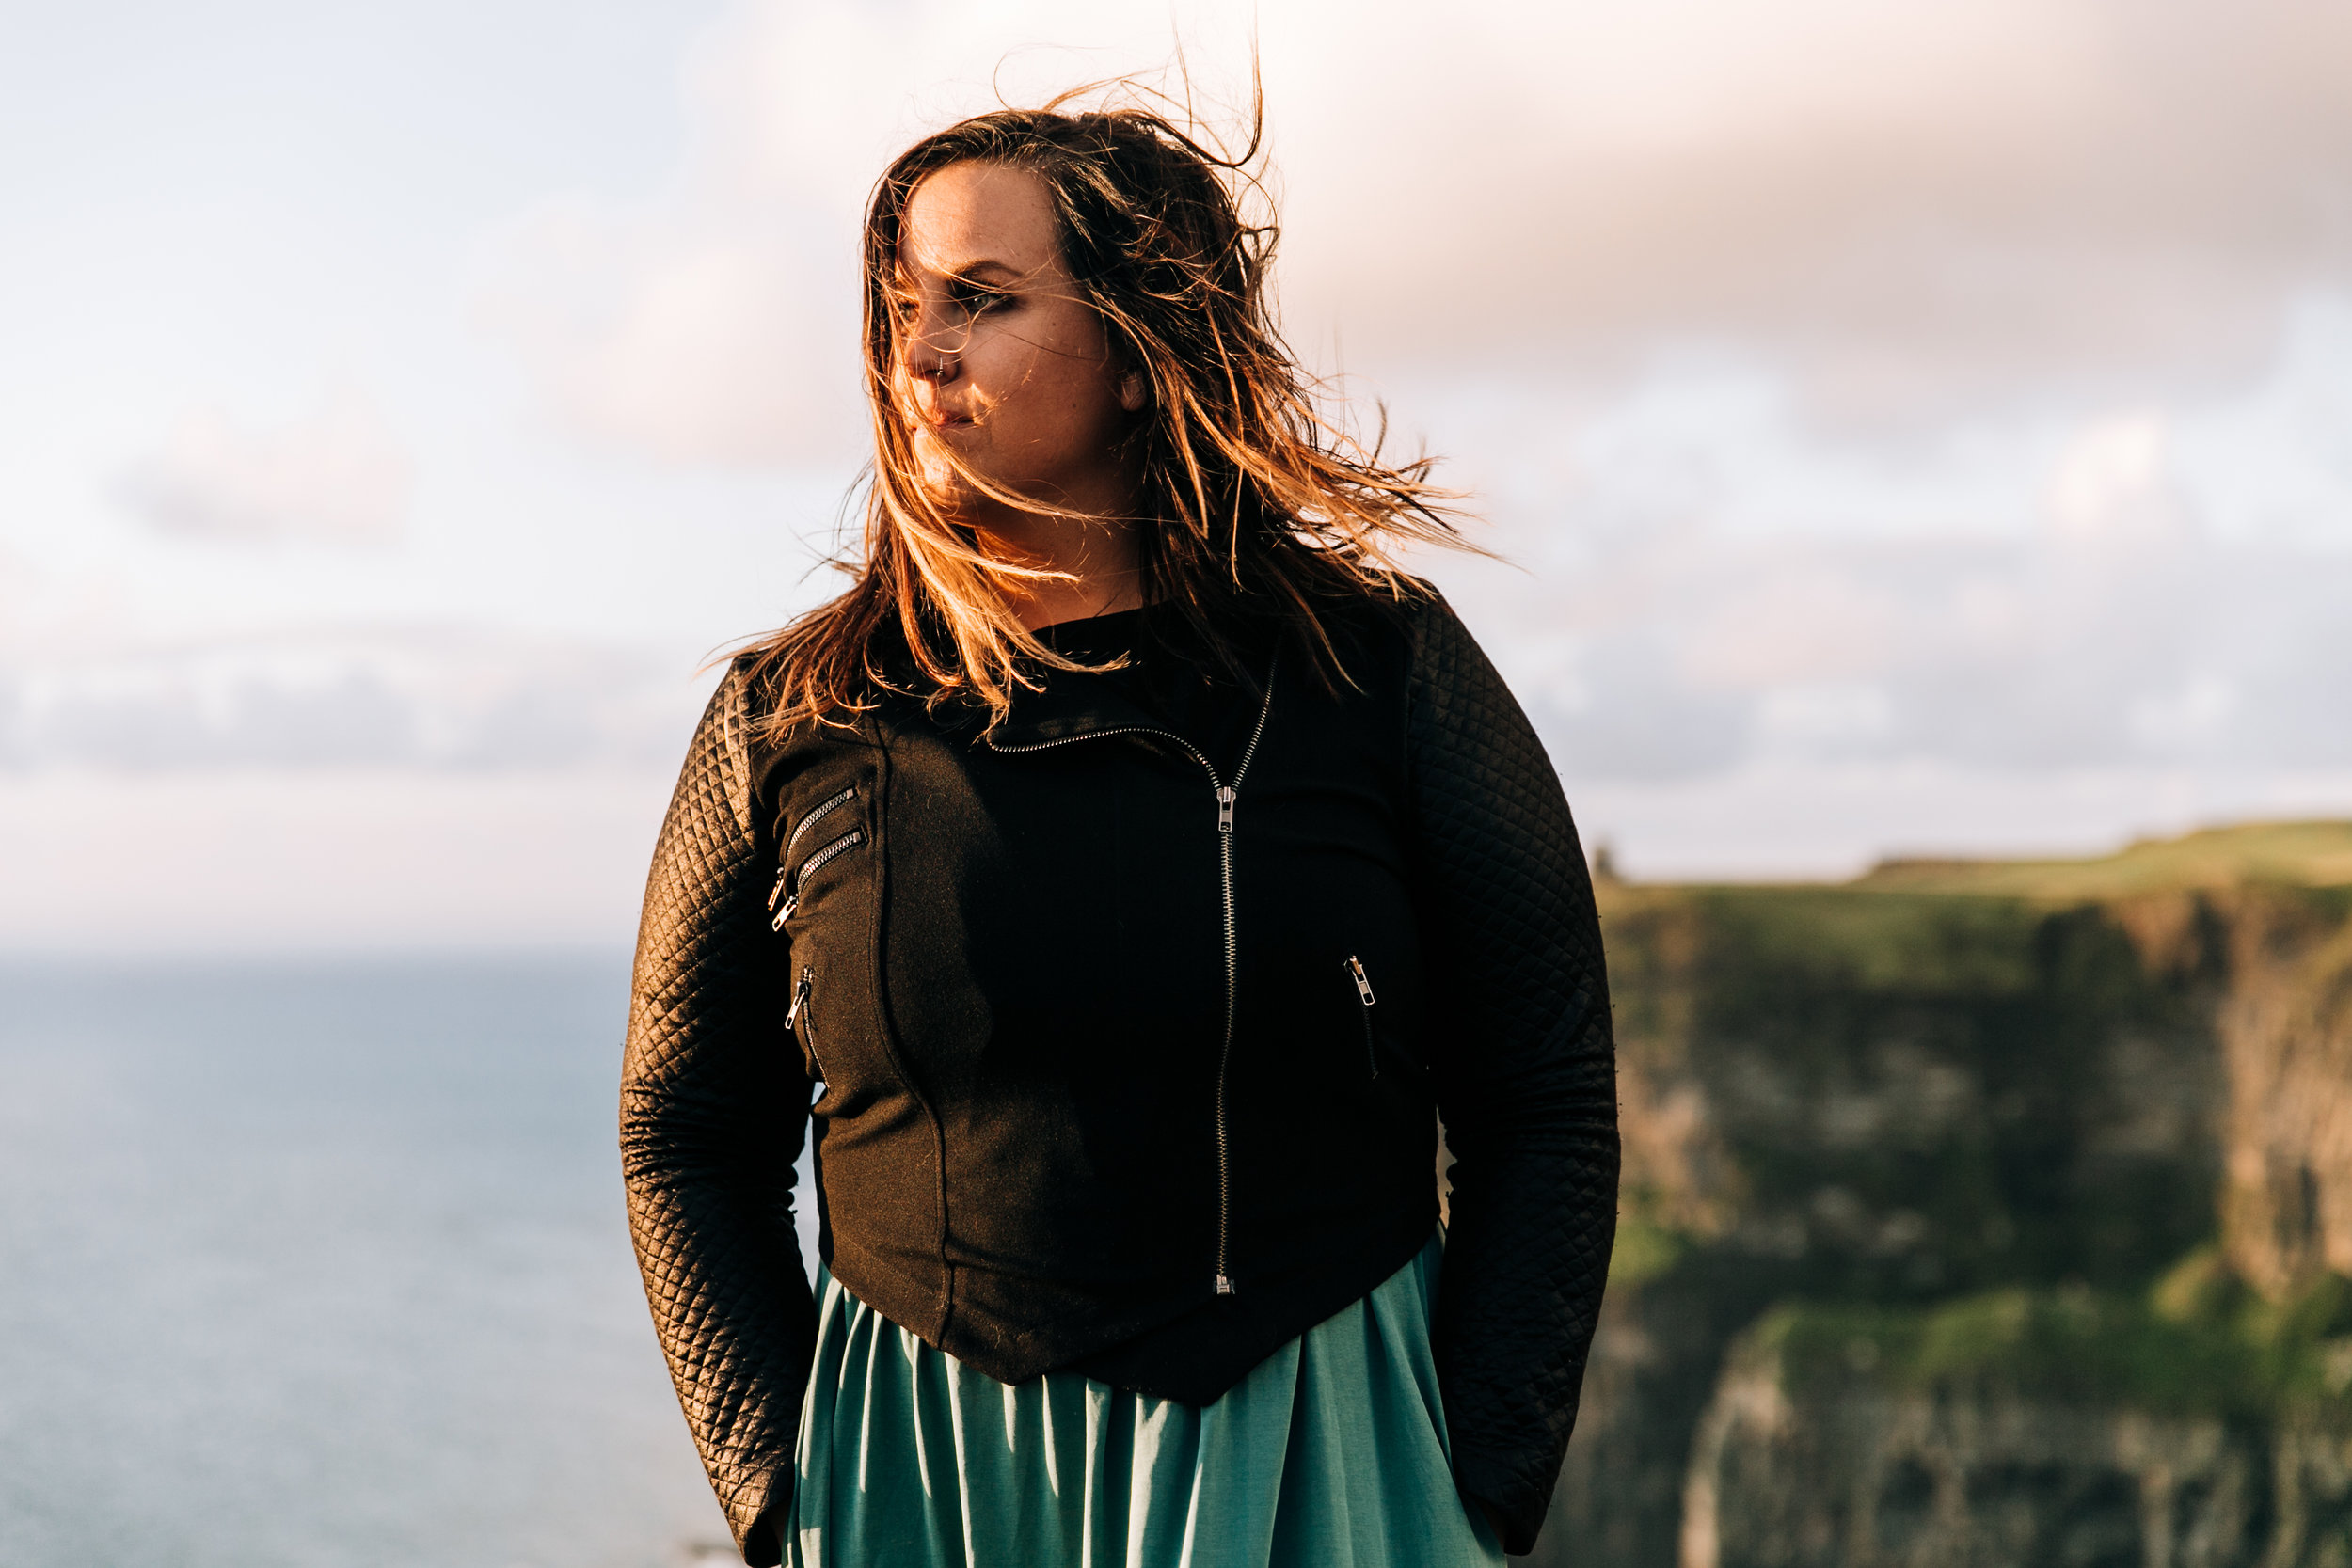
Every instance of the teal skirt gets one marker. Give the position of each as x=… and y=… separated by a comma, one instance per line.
x=1331, y=1453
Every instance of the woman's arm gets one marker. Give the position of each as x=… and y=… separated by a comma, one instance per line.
x=713, y=1109
x=1525, y=1073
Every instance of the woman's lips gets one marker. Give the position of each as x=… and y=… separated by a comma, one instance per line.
x=936, y=420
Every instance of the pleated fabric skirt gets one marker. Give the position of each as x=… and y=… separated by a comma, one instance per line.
x=1331, y=1453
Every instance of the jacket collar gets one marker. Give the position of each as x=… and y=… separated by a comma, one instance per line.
x=1071, y=706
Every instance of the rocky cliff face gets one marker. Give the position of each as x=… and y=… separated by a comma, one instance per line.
x=1794, y=1471
x=1950, y=1093
x=2287, y=1028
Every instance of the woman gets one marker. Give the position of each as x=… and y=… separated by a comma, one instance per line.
x=1141, y=867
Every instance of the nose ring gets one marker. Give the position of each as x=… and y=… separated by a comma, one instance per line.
x=944, y=370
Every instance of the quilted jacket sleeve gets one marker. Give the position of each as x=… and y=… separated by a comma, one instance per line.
x=713, y=1109
x=1525, y=1075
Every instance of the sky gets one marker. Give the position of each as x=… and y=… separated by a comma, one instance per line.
x=1905, y=427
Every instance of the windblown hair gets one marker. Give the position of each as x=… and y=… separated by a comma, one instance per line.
x=1257, y=505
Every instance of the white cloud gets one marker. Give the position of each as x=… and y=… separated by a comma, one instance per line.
x=419, y=700
x=2112, y=489
x=1777, y=817
x=705, y=337
x=263, y=860
x=1715, y=583
x=1873, y=391
x=336, y=475
x=1910, y=202
x=1904, y=205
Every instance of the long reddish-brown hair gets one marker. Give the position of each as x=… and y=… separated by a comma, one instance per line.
x=1257, y=505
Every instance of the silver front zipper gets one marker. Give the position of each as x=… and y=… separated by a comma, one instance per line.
x=1363, y=993
x=1226, y=795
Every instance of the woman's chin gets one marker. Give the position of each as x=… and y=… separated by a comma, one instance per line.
x=943, y=485
x=954, y=493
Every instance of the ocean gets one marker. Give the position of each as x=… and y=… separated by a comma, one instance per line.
x=313, y=1264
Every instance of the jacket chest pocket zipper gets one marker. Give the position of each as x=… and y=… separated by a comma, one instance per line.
x=807, y=1036
x=823, y=809
x=785, y=882
x=1363, y=993
x=785, y=896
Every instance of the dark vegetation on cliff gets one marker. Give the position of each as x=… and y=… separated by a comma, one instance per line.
x=1982, y=1214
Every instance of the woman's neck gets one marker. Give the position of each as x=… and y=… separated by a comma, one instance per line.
x=1099, y=557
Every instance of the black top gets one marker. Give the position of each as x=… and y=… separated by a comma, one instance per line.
x=1212, y=711
x=1100, y=1088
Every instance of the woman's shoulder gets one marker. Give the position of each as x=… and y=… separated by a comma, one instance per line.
x=1424, y=656
x=764, y=736
x=1406, y=621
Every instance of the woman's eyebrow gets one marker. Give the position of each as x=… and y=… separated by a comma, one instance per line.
x=973, y=271
x=906, y=281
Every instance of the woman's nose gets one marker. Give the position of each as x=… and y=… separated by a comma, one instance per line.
x=935, y=344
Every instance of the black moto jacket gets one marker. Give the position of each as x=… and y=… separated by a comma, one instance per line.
x=1132, y=1030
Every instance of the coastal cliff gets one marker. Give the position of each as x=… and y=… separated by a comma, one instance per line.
x=1981, y=1213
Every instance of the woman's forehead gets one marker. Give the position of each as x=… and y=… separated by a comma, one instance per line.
x=968, y=219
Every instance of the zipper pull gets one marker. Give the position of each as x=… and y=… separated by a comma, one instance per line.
x=1225, y=825
x=800, y=997
x=1224, y=1286
x=777, y=892
x=1363, y=982
x=785, y=912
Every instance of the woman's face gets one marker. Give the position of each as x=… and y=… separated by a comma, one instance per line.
x=1001, y=360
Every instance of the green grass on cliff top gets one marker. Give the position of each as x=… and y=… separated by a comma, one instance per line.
x=2305, y=854
x=2200, y=1343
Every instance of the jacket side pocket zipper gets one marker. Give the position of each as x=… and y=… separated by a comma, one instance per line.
x=790, y=883
x=1363, y=995
x=792, y=1019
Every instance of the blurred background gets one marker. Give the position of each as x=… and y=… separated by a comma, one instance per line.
x=1912, y=430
